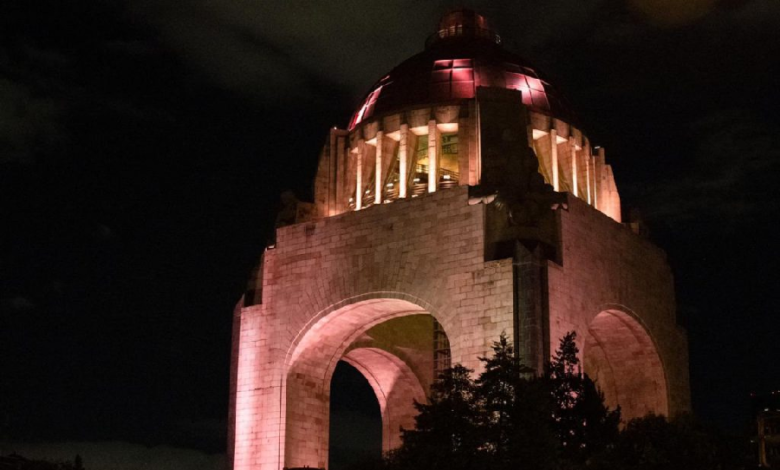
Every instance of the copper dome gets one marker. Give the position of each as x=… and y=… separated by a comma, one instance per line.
x=464, y=53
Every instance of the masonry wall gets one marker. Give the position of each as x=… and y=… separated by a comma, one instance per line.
x=426, y=250
x=606, y=266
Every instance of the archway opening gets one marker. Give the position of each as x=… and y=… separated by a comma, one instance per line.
x=393, y=343
x=621, y=357
x=355, y=420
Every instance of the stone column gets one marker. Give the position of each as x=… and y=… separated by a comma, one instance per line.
x=403, y=171
x=342, y=178
x=598, y=167
x=464, y=144
x=530, y=310
x=573, y=147
x=588, y=185
x=259, y=443
x=433, y=160
x=332, y=180
x=475, y=155
x=554, y=157
x=378, y=186
x=359, y=176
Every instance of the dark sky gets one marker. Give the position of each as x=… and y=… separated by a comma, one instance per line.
x=144, y=144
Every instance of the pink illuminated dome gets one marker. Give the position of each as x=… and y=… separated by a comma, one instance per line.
x=464, y=53
x=420, y=127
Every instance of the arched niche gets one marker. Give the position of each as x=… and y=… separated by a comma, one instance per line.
x=621, y=357
x=396, y=388
x=352, y=333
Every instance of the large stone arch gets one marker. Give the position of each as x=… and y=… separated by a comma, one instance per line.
x=310, y=363
x=396, y=388
x=621, y=356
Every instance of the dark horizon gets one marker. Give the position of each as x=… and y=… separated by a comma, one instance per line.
x=144, y=146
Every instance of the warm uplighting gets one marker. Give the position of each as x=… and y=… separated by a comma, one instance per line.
x=447, y=128
x=419, y=130
x=367, y=109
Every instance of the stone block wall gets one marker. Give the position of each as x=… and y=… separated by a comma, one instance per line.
x=606, y=267
x=329, y=281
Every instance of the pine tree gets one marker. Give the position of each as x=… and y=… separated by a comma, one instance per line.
x=656, y=443
x=497, y=389
x=583, y=424
x=509, y=418
x=446, y=435
x=515, y=414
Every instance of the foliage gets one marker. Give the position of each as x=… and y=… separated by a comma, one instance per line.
x=446, y=434
x=655, y=443
x=17, y=462
x=514, y=408
x=583, y=424
x=511, y=418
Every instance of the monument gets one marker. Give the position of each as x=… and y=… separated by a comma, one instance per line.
x=461, y=201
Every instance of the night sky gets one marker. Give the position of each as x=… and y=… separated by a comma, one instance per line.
x=144, y=145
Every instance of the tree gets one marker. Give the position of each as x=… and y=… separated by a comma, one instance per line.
x=583, y=424
x=446, y=436
x=509, y=417
x=655, y=443
x=17, y=462
x=515, y=412
x=497, y=389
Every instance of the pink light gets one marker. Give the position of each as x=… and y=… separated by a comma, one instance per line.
x=526, y=93
x=534, y=83
x=452, y=79
x=462, y=75
x=515, y=81
x=540, y=99
x=461, y=63
x=442, y=64
x=367, y=109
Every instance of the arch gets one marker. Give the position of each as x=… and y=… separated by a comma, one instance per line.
x=621, y=356
x=357, y=301
x=396, y=388
x=355, y=419
x=310, y=364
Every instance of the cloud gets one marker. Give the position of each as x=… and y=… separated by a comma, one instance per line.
x=277, y=51
x=28, y=123
x=736, y=159
x=673, y=12
x=294, y=49
x=18, y=303
x=118, y=455
x=284, y=50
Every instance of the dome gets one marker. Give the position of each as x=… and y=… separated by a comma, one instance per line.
x=463, y=54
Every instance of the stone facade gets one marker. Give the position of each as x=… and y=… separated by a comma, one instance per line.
x=518, y=233
x=329, y=282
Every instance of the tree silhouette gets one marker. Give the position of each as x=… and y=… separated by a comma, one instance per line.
x=446, y=436
x=515, y=412
x=583, y=424
x=509, y=418
x=656, y=443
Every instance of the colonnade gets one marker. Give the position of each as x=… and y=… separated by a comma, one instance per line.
x=378, y=162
